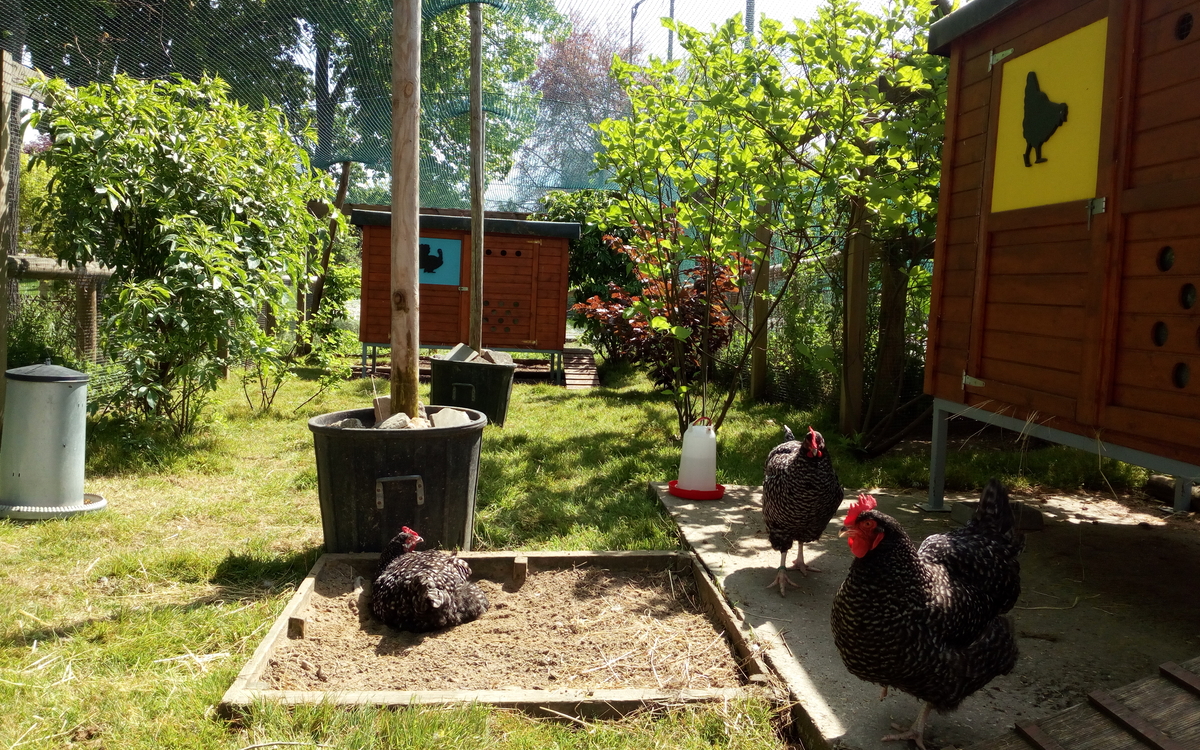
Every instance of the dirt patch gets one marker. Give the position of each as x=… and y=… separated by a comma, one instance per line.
x=580, y=628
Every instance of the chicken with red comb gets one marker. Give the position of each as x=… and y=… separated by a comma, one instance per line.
x=801, y=492
x=930, y=620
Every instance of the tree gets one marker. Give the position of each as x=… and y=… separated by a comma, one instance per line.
x=773, y=151
x=200, y=207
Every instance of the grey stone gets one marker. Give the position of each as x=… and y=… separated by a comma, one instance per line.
x=448, y=417
x=347, y=422
x=395, y=422
x=497, y=358
x=460, y=353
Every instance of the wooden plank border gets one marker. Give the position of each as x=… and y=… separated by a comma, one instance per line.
x=249, y=688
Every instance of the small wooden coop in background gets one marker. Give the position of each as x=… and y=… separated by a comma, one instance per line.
x=1068, y=243
x=524, y=281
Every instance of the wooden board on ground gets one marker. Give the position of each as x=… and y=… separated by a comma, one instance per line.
x=1160, y=712
x=580, y=368
x=253, y=683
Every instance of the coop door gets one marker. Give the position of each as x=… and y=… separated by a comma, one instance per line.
x=442, y=271
x=510, y=284
x=1042, y=222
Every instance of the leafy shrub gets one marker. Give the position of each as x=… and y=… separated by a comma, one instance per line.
x=43, y=328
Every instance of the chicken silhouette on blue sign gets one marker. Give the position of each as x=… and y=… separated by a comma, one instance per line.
x=1042, y=118
x=439, y=260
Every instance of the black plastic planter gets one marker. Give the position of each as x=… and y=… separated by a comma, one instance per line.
x=371, y=482
x=479, y=385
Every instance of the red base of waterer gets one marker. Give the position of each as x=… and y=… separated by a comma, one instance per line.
x=716, y=494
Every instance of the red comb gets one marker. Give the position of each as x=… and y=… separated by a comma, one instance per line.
x=407, y=530
x=865, y=502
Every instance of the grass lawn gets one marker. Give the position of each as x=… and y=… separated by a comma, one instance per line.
x=123, y=629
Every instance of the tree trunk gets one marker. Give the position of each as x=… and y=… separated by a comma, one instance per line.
x=889, y=359
x=854, y=321
x=338, y=202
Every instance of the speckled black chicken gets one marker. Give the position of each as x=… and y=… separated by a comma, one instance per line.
x=423, y=591
x=801, y=492
x=930, y=621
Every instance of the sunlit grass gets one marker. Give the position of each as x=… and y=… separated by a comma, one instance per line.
x=123, y=629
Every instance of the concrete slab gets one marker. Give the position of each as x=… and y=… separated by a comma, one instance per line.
x=1092, y=614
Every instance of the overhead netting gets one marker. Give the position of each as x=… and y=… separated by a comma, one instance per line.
x=326, y=63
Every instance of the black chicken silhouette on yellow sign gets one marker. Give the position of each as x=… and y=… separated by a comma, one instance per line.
x=1042, y=118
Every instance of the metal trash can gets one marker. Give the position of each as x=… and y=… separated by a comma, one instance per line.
x=42, y=451
x=478, y=385
x=371, y=482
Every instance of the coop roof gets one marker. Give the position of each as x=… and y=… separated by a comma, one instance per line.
x=965, y=20
x=569, y=230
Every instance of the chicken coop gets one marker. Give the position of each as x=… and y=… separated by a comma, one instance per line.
x=1068, y=240
x=524, y=281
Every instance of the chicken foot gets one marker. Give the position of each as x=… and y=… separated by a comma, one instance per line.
x=799, y=563
x=916, y=733
x=781, y=577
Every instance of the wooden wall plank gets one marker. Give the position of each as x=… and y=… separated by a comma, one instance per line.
x=1065, y=289
x=1170, y=143
x=1041, y=258
x=968, y=176
x=1039, y=351
x=1183, y=333
x=1022, y=375
x=960, y=257
x=1186, y=405
x=1039, y=401
x=1152, y=9
x=1184, y=169
x=1066, y=322
x=1158, y=34
x=1154, y=294
x=1153, y=370
x=1141, y=258
x=1168, y=68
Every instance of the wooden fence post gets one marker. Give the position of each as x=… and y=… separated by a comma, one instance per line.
x=475, y=334
x=6, y=217
x=406, y=231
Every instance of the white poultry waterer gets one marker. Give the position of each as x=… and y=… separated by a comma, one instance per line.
x=698, y=464
x=42, y=451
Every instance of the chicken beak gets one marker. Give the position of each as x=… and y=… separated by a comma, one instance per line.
x=843, y=532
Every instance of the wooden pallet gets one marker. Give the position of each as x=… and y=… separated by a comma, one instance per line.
x=579, y=366
x=1161, y=712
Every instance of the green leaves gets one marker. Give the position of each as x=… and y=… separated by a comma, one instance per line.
x=199, y=205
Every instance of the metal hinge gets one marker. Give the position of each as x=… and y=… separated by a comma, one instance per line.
x=1094, y=206
x=464, y=289
x=995, y=57
x=973, y=382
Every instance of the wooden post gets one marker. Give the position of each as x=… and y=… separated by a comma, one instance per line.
x=475, y=335
x=6, y=217
x=854, y=321
x=85, y=318
x=406, y=176
x=758, y=346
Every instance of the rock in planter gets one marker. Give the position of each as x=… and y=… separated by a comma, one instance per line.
x=497, y=358
x=395, y=422
x=349, y=422
x=449, y=417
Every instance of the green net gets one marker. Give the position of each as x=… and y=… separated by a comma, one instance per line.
x=326, y=64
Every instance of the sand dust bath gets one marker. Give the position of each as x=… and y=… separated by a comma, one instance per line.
x=581, y=628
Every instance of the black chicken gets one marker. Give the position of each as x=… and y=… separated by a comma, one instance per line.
x=1042, y=118
x=930, y=621
x=801, y=492
x=423, y=591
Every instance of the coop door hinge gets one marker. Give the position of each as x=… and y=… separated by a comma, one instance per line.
x=406, y=478
x=464, y=289
x=995, y=57
x=1094, y=206
x=973, y=382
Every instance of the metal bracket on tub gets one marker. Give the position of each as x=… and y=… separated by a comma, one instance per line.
x=407, y=477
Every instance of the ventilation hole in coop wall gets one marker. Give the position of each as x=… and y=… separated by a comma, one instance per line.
x=488, y=251
x=1183, y=26
x=1187, y=296
x=504, y=252
x=1159, y=333
x=506, y=331
x=516, y=304
x=1166, y=258
x=1181, y=375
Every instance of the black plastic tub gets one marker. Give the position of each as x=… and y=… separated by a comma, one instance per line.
x=371, y=482
x=483, y=386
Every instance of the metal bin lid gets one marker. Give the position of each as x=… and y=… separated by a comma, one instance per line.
x=47, y=374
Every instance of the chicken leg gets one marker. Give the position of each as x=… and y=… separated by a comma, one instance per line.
x=781, y=577
x=799, y=564
x=916, y=733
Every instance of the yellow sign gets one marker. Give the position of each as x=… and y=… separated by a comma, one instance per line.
x=1048, y=139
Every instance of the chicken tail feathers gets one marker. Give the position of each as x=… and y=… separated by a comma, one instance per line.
x=787, y=434
x=995, y=513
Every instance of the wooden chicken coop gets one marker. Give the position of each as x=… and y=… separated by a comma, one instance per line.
x=524, y=281
x=1068, y=242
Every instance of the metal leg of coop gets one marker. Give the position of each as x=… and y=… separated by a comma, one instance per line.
x=1183, y=494
x=362, y=369
x=937, y=462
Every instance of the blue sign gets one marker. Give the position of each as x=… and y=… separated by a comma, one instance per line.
x=439, y=261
